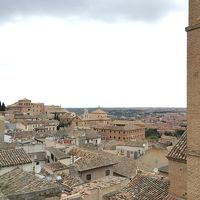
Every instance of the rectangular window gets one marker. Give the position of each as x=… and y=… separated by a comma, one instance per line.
x=107, y=172
x=88, y=177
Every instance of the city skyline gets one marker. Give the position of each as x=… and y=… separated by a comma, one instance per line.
x=107, y=53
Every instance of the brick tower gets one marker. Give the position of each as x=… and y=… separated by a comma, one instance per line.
x=193, y=101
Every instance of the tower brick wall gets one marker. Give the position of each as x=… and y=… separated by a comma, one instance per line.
x=193, y=101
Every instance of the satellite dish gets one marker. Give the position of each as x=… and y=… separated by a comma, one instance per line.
x=49, y=178
x=58, y=178
x=155, y=170
x=37, y=169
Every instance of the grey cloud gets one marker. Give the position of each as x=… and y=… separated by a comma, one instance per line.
x=105, y=10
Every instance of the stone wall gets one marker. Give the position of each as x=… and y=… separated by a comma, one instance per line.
x=96, y=173
x=177, y=177
x=193, y=101
x=39, y=195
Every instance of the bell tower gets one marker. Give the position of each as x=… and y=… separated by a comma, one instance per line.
x=193, y=101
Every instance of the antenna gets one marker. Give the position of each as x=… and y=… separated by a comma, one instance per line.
x=155, y=170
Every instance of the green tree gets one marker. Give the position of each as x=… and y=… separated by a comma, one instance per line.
x=179, y=132
x=152, y=133
x=3, y=107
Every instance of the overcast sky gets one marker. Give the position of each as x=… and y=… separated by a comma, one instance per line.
x=89, y=53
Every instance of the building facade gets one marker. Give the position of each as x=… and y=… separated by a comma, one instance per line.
x=27, y=107
x=193, y=103
x=121, y=132
x=177, y=168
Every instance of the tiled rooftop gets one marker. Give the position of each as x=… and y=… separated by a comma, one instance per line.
x=129, y=127
x=13, y=157
x=105, y=182
x=70, y=181
x=38, y=156
x=138, y=143
x=55, y=166
x=18, y=182
x=98, y=111
x=178, y=152
x=57, y=153
x=90, y=160
x=125, y=166
x=143, y=187
x=7, y=146
x=171, y=197
x=94, y=159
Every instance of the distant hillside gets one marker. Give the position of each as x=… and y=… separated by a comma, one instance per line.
x=123, y=113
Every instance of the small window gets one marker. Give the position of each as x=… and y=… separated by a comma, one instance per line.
x=37, y=163
x=88, y=177
x=107, y=173
x=52, y=156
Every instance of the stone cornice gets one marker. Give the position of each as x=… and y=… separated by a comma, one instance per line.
x=192, y=27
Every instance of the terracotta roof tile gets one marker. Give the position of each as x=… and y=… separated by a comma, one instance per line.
x=55, y=166
x=143, y=187
x=90, y=160
x=171, y=197
x=93, y=159
x=18, y=182
x=7, y=146
x=178, y=152
x=14, y=157
x=70, y=181
x=57, y=153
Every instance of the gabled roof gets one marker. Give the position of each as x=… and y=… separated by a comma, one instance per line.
x=101, y=184
x=19, y=182
x=55, y=166
x=14, y=157
x=70, y=181
x=143, y=187
x=88, y=160
x=178, y=152
x=122, y=165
